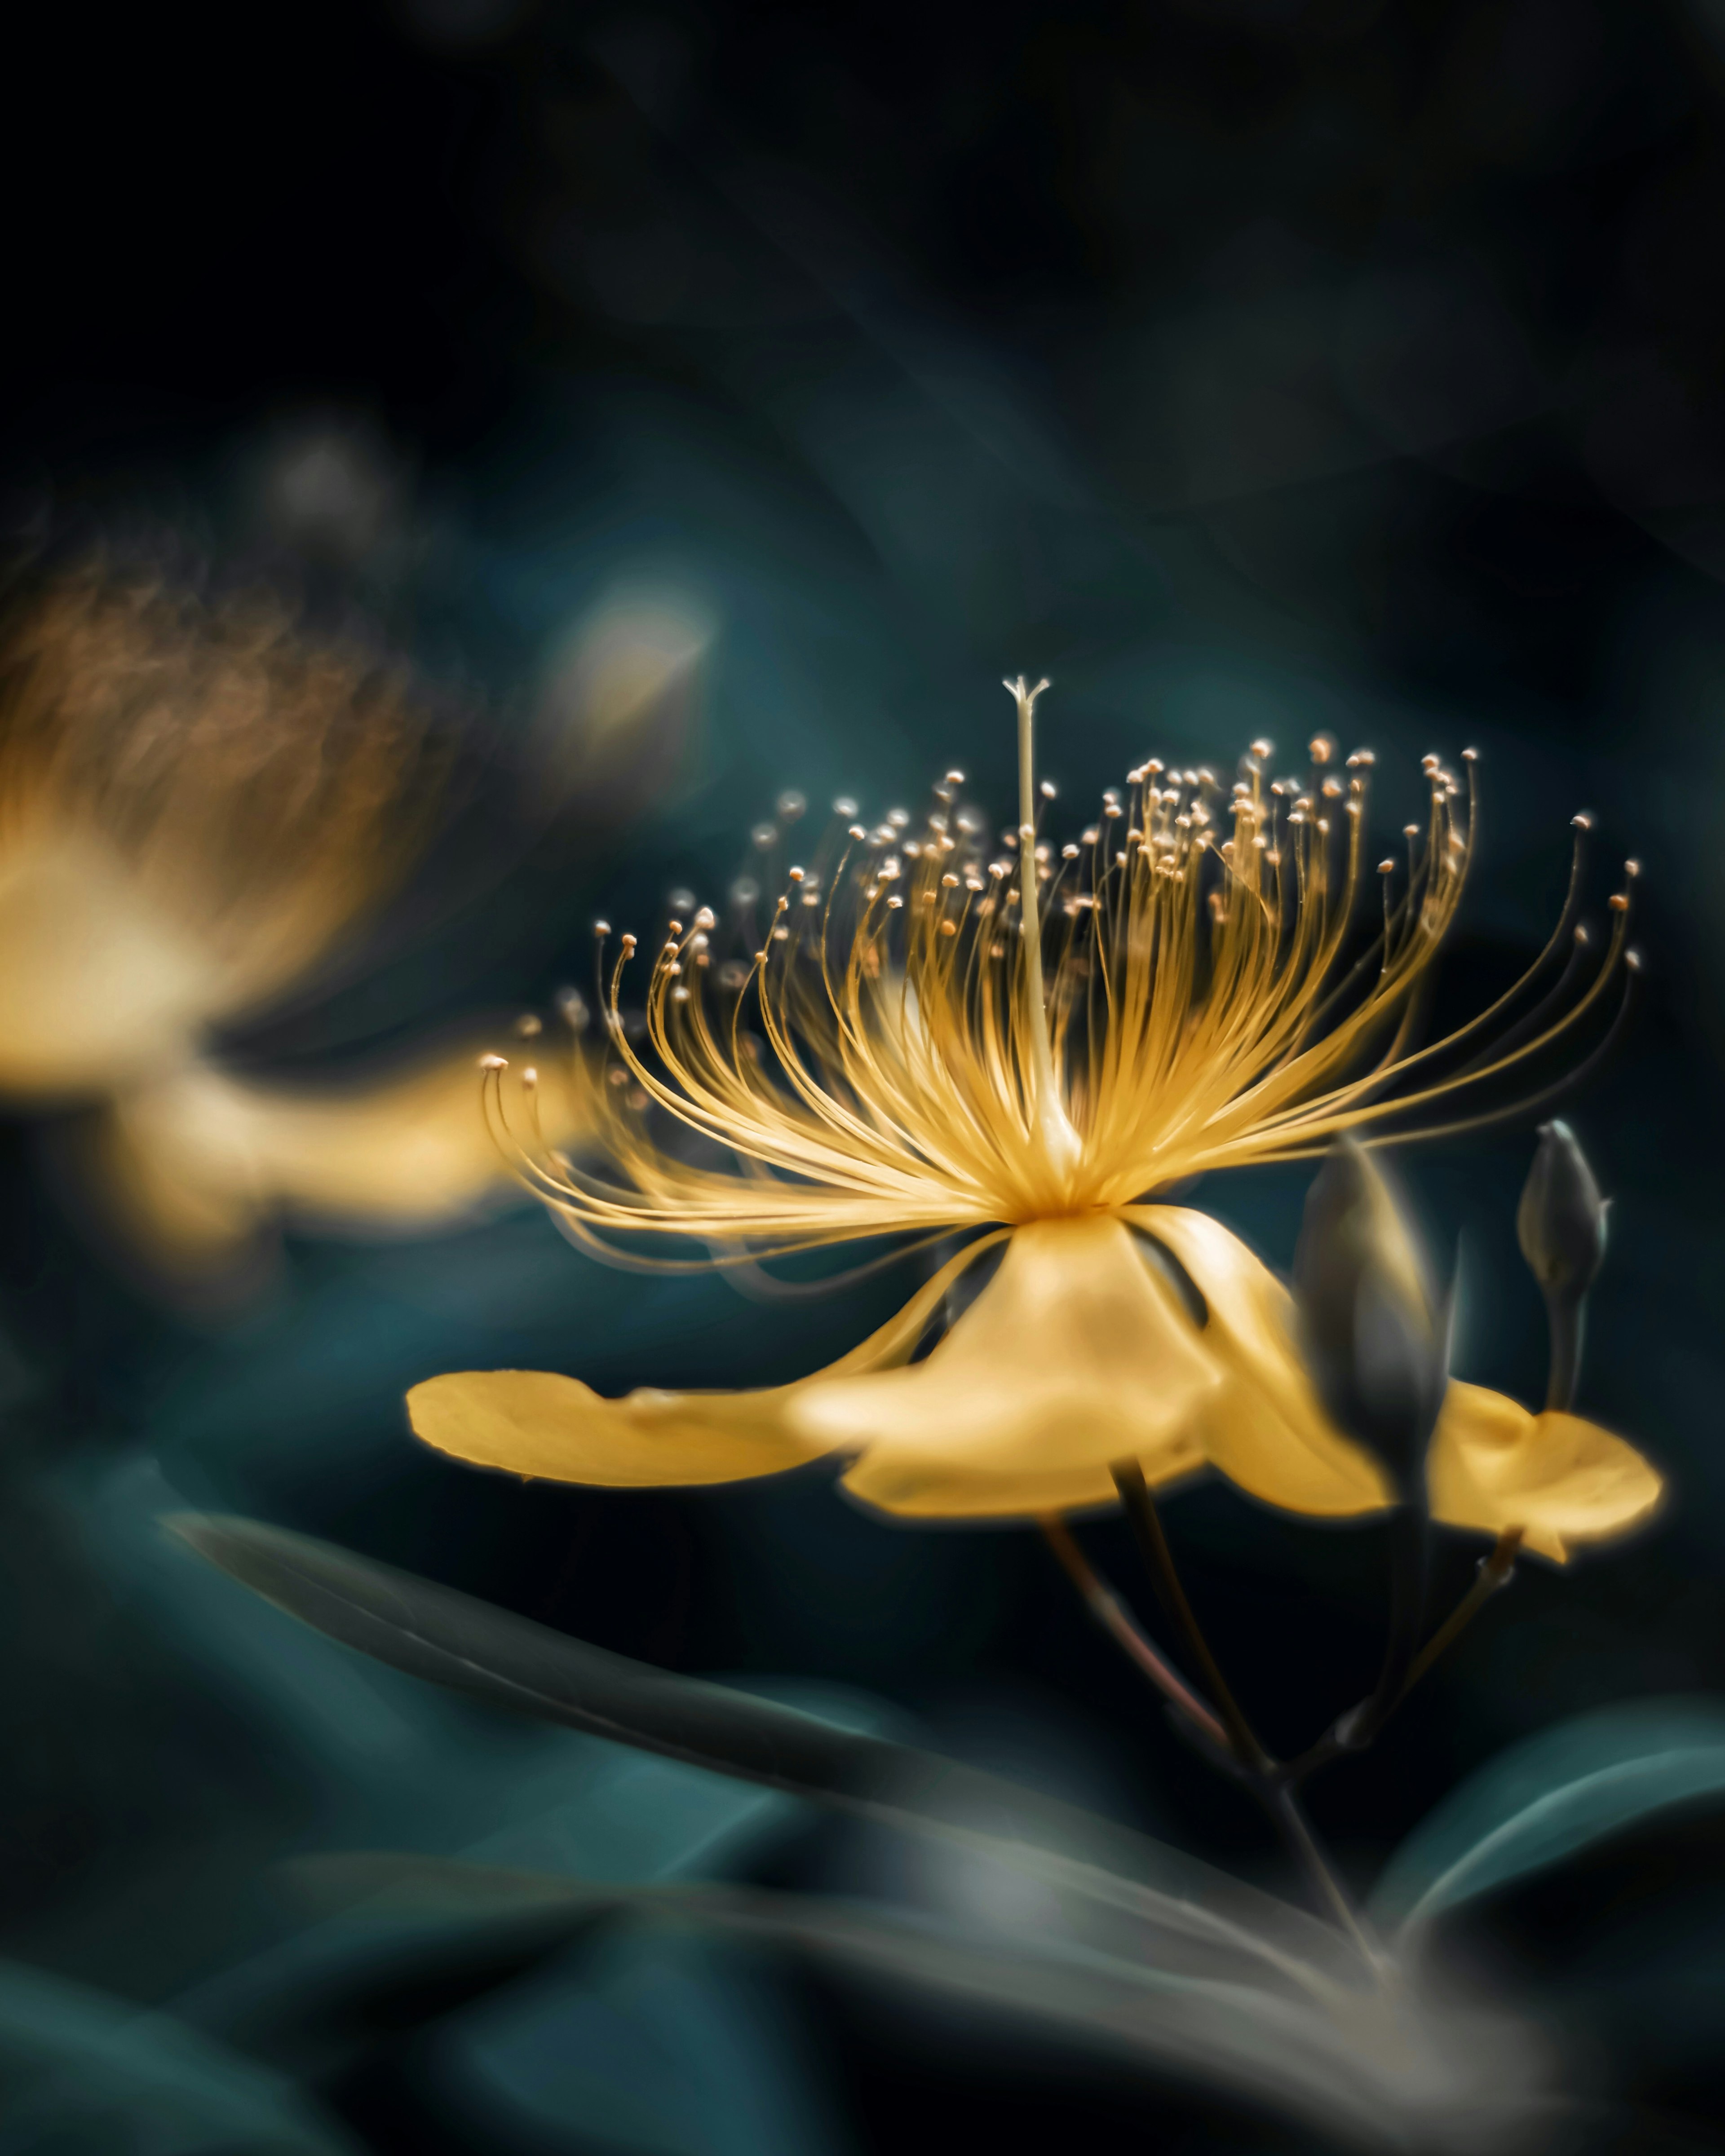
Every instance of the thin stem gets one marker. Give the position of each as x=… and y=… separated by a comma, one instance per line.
x=1264, y=1776
x=1408, y=1542
x=1145, y=1524
x=1495, y=1571
x=1566, y=1319
x=1117, y=1621
x=1285, y=1807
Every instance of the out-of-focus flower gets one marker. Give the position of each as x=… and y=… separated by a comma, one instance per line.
x=194, y=801
x=197, y=800
x=900, y=1056
x=196, y=1162
x=621, y=691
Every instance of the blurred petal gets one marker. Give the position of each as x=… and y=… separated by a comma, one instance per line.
x=1077, y=1354
x=95, y=983
x=1266, y=1430
x=1560, y=1478
x=534, y=1422
x=197, y=1161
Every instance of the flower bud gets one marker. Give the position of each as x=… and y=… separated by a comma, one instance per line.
x=1374, y=1332
x=1561, y=1221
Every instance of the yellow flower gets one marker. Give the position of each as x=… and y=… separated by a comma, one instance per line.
x=934, y=1042
x=197, y=800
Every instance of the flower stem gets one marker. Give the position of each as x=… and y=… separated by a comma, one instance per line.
x=1566, y=1319
x=1265, y=1777
x=1117, y=1621
x=1495, y=1571
x=1145, y=1524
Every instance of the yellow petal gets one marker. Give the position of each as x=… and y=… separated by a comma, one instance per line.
x=1265, y=1430
x=1560, y=1478
x=1077, y=1354
x=534, y=1422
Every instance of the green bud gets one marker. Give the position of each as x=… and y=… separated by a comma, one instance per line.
x=1374, y=1332
x=1561, y=1221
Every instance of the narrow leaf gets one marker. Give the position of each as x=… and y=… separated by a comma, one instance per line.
x=450, y=1638
x=1549, y=1799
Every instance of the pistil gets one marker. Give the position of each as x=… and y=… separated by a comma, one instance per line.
x=1060, y=1141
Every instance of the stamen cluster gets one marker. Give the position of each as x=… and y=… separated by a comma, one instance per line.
x=1203, y=984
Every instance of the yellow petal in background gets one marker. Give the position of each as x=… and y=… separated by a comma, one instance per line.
x=534, y=1422
x=1265, y=1430
x=191, y=1163
x=1078, y=1354
x=1561, y=1480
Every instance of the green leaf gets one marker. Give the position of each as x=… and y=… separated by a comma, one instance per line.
x=450, y=1638
x=1550, y=1798
x=82, y=2074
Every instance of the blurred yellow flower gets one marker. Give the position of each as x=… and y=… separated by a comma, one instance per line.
x=197, y=800
x=934, y=1041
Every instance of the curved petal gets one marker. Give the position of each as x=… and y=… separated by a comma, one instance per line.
x=1078, y=1354
x=1560, y=1478
x=1266, y=1430
x=534, y=1422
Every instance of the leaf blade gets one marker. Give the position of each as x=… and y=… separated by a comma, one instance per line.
x=449, y=1638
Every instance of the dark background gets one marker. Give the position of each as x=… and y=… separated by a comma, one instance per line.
x=1251, y=367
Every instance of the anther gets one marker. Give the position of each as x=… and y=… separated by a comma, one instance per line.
x=1632, y=959
x=1069, y=852
x=527, y=1025
x=1320, y=748
x=1619, y=901
x=894, y=903
x=493, y=1063
x=795, y=876
x=1632, y=868
x=1386, y=868
x=898, y=818
x=629, y=947
x=856, y=831
x=949, y=881
x=601, y=928
x=790, y=805
x=764, y=835
x=954, y=778
x=1047, y=789
x=1260, y=749
x=706, y=918
x=1470, y=755
x=1582, y=823
x=530, y=1077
